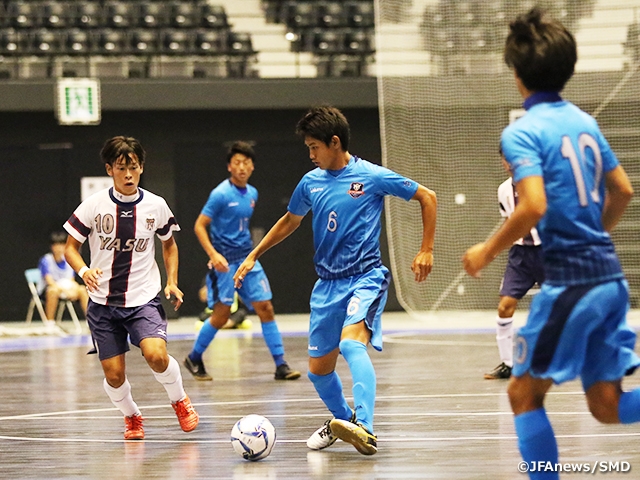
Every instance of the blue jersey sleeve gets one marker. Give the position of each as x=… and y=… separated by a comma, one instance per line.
x=609, y=159
x=300, y=202
x=214, y=202
x=392, y=183
x=521, y=153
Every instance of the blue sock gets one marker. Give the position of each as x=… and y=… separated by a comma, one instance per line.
x=273, y=339
x=205, y=337
x=629, y=406
x=537, y=443
x=364, y=380
x=329, y=388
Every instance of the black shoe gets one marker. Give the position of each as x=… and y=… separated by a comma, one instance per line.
x=238, y=317
x=284, y=372
x=501, y=372
x=197, y=370
x=205, y=314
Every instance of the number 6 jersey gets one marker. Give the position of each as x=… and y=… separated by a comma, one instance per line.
x=121, y=240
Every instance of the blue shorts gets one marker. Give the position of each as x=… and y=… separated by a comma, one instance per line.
x=524, y=270
x=577, y=331
x=110, y=326
x=346, y=301
x=220, y=286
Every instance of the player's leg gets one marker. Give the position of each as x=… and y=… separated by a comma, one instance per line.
x=147, y=327
x=51, y=299
x=610, y=355
x=504, y=337
x=536, y=439
x=325, y=327
x=220, y=293
x=255, y=290
x=363, y=325
x=110, y=340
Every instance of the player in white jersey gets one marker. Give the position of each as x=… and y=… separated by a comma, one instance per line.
x=124, y=280
x=524, y=270
x=346, y=195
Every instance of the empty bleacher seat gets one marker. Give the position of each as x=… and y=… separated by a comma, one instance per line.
x=119, y=14
x=213, y=16
x=208, y=42
x=183, y=15
x=299, y=15
x=87, y=15
x=360, y=14
x=22, y=14
x=56, y=14
x=144, y=42
x=111, y=42
x=47, y=42
x=330, y=15
x=152, y=14
x=176, y=42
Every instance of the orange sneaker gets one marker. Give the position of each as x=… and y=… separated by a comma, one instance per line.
x=187, y=415
x=133, y=429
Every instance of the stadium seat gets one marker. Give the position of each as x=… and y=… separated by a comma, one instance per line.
x=152, y=15
x=47, y=42
x=111, y=42
x=56, y=14
x=327, y=42
x=77, y=42
x=176, y=42
x=299, y=15
x=239, y=43
x=87, y=15
x=144, y=42
x=119, y=14
x=210, y=42
x=213, y=16
x=360, y=14
x=22, y=14
x=331, y=15
x=182, y=15
x=358, y=42
x=13, y=42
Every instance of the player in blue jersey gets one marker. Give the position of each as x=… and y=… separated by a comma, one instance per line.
x=223, y=231
x=346, y=195
x=571, y=185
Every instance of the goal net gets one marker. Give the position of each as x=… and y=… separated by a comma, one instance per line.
x=444, y=97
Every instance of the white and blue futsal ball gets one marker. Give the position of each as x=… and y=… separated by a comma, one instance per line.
x=253, y=437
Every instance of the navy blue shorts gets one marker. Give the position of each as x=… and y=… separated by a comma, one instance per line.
x=112, y=326
x=524, y=270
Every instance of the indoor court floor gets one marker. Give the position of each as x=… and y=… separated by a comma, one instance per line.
x=436, y=417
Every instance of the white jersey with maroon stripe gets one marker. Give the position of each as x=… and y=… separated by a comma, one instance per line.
x=508, y=199
x=121, y=240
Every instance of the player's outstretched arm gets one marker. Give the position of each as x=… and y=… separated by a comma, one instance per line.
x=532, y=205
x=170, y=256
x=619, y=193
x=284, y=227
x=90, y=277
x=423, y=261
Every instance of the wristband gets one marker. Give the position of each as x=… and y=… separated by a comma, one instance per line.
x=82, y=271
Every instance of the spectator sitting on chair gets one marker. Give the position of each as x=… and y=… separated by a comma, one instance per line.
x=58, y=278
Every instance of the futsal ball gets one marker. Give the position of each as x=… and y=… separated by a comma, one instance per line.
x=253, y=437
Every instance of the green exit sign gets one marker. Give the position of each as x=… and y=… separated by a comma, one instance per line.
x=78, y=101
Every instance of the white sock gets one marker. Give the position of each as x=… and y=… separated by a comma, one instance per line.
x=171, y=380
x=505, y=340
x=121, y=398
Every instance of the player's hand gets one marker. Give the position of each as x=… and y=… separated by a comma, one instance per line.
x=174, y=295
x=218, y=262
x=244, y=268
x=475, y=259
x=422, y=265
x=91, y=279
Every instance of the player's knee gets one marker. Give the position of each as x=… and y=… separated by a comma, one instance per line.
x=522, y=398
x=507, y=307
x=264, y=310
x=115, y=378
x=157, y=359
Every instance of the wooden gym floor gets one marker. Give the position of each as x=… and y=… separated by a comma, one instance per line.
x=436, y=417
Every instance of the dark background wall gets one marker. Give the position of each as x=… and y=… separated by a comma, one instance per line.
x=41, y=164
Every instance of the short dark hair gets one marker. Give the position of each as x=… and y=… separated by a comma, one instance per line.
x=243, y=148
x=541, y=50
x=122, y=147
x=58, y=237
x=322, y=123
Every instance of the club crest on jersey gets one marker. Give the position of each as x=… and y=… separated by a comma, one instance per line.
x=150, y=222
x=356, y=190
